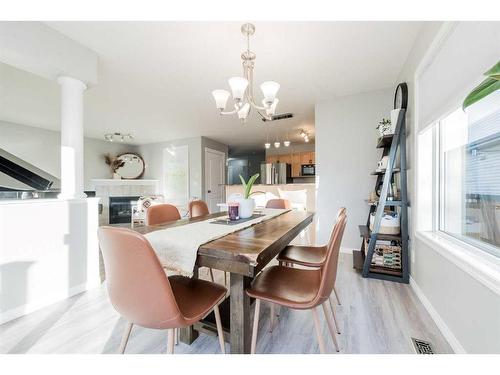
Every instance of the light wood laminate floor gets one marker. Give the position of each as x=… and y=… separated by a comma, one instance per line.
x=375, y=317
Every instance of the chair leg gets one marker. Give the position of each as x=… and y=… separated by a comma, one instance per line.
x=271, y=318
x=176, y=336
x=220, y=332
x=330, y=326
x=170, y=341
x=336, y=295
x=211, y=274
x=334, y=315
x=318, y=331
x=125, y=337
x=255, y=325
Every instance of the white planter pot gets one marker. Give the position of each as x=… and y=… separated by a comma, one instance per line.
x=246, y=207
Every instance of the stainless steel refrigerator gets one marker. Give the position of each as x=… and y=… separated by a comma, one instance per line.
x=275, y=173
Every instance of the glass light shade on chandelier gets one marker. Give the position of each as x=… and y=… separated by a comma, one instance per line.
x=242, y=88
x=277, y=144
x=286, y=143
x=269, y=89
x=267, y=145
x=238, y=87
x=221, y=97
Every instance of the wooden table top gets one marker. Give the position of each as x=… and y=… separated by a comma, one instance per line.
x=248, y=250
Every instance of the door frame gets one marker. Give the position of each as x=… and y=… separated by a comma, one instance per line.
x=224, y=172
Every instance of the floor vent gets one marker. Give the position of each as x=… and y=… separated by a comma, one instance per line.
x=421, y=346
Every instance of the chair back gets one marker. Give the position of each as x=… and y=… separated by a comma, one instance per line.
x=278, y=203
x=198, y=208
x=137, y=284
x=329, y=269
x=162, y=213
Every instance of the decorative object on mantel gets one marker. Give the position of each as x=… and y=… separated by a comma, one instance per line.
x=242, y=89
x=487, y=87
x=114, y=163
x=113, y=137
x=127, y=166
x=247, y=204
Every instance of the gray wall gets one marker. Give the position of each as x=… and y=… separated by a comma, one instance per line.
x=346, y=153
x=41, y=148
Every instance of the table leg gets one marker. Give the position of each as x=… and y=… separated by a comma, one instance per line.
x=240, y=315
x=188, y=334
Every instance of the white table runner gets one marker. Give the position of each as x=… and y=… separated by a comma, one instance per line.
x=177, y=247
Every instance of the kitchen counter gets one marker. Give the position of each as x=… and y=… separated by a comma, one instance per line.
x=271, y=191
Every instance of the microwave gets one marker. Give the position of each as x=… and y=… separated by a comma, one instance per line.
x=308, y=170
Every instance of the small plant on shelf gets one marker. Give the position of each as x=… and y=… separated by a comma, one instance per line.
x=384, y=127
x=114, y=164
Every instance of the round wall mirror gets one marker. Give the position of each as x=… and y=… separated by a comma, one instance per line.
x=132, y=168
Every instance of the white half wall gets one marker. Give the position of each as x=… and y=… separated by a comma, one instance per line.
x=346, y=137
x=48, y=252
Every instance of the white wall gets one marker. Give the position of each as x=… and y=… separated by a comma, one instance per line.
x=48, y=252
x=466, y=310
x=41, y=148
x=346, y=153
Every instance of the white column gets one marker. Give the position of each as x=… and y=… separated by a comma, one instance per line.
x=71, y=138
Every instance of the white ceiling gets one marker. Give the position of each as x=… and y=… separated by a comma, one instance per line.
x=156, y=78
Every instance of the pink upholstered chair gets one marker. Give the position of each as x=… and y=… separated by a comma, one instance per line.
x=198, y=208
x=312, y=256
x=278, y=203
x=142, y=293
x=162, y=213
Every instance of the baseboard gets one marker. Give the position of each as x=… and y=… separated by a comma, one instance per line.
x=443, y=327
x=33, y=306
x=346, y=250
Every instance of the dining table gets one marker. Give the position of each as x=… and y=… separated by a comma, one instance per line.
x=243, y=254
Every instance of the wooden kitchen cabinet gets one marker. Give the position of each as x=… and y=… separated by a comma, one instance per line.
x=271, y=158
x=296, y=165
x=285, y=158
x=307, y=157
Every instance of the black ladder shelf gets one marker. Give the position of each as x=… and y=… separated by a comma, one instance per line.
x=362, y=259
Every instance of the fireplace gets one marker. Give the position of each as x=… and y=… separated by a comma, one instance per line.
x=120, y=209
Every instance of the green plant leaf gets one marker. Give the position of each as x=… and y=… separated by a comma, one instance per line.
x=494, y=72
x=243, y=183
x=486, y=87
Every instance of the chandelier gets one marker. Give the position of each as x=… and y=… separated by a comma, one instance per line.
x=242, y=88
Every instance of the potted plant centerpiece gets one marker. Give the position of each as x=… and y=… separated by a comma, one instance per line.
x=247, y=204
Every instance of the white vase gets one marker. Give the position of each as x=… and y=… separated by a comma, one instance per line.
x=246, y=207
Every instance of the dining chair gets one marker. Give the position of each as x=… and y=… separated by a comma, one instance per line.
x=162, y=213
x=279, y=203
x=199, y=208
x=312, y=256
x=142, y=293
x=300, y=289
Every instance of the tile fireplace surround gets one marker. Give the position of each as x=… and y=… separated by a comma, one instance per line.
x=105, y=188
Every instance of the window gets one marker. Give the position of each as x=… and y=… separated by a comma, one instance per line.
x=468, y=165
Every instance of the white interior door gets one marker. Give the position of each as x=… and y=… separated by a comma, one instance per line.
x=215, y=162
